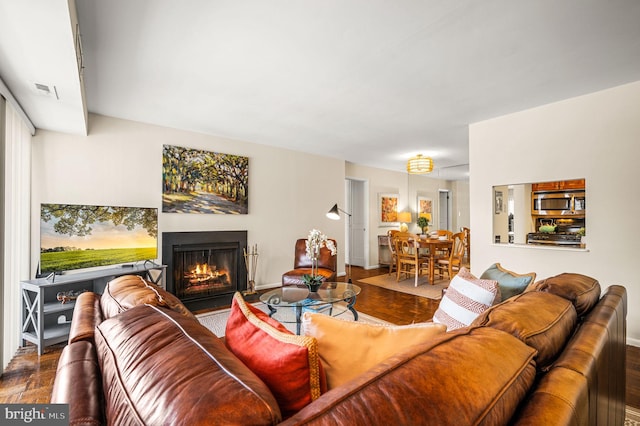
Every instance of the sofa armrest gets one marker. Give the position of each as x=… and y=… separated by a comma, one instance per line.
x=86, y=316
x=78, y=383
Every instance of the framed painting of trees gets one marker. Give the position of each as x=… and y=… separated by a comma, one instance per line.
x=199, y=181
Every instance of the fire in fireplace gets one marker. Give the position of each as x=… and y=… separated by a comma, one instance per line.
x=202, y=276
x=204, y=269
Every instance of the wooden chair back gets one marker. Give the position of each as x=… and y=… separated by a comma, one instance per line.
x=454, y=261
x=444, y=251
x=408, y=254
x=444, y=233
x=392, y=249
x=458, y=248
x=467, y=243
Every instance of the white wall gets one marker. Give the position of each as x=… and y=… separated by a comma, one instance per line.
x=597, y=137
x=120, y=163
x=461, y=210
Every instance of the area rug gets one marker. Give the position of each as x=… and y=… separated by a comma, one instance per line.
x=216, y=321
x=632, y=417
x=424, y=289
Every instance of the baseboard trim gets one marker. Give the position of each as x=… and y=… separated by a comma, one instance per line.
x=268, y=286
x=633, y=342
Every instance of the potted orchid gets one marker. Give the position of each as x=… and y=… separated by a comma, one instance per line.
x=315, y=241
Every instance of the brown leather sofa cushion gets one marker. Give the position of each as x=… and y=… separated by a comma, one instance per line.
x=465, y=377
x=160, y=367
x=128, y=291
x=581, y=290
x=541, y=320
x=86, y=316
x=78, y=384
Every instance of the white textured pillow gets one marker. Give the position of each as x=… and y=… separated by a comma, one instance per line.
x=465, y=299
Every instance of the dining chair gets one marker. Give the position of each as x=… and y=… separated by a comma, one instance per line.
x=454, y=261
x=408, y=254
x=444, y=233
x=393, y=263
x=467, y=244
x=443, y=251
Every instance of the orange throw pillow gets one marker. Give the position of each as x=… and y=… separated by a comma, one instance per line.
x=288, y=364
x=349, y=348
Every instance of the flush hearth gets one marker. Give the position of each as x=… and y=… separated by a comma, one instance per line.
x=204, y=269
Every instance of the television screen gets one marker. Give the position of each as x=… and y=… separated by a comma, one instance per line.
x=81, y=236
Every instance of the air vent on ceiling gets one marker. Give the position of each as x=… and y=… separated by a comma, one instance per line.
x=46, y=90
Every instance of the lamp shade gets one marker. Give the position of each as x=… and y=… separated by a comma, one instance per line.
x=419, y=165
x=404, y=217
x=334, y=213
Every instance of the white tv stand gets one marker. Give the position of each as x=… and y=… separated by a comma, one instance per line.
x=47, y=321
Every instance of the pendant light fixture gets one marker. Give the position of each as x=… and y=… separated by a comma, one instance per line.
x=419, y=165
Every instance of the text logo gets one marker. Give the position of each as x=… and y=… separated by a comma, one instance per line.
x=34, y=414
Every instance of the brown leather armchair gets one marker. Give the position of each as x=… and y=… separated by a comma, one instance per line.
x=327, y=264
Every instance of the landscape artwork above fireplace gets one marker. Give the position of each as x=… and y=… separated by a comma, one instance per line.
x=199, y=181
x=204, y=269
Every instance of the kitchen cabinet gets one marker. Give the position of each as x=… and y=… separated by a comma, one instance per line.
x=47, y=309
x=561, y=185
x=574, y=184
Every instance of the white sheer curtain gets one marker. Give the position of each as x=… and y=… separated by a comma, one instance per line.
x=15, y=191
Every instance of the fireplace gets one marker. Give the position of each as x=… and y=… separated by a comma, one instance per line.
x=205, y=269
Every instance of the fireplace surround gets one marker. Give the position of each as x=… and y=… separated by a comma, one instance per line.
x=204, y=269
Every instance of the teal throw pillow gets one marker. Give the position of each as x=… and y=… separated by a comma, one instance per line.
x=510, y=283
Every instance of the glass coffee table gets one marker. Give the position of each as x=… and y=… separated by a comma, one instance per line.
x=300, y=299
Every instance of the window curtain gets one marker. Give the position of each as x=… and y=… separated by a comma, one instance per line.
x=15, y=215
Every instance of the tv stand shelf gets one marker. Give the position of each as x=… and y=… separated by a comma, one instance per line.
x=46, y=320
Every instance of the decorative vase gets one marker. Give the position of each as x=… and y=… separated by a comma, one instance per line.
x=313, y=287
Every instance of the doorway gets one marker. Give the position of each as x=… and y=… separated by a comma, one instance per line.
x=356, y=202
x=445, y=206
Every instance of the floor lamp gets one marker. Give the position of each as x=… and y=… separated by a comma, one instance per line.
x=334, y=214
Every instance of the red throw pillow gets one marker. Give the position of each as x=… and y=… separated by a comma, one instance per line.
x=288, y=364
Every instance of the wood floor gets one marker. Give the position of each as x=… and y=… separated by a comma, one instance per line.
x=29, y=377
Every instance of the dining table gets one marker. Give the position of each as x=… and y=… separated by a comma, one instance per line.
x=433, y=244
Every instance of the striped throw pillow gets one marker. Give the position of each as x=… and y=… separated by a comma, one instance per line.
x=465, y=299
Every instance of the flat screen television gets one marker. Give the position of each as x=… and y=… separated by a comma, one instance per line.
x=82, y=236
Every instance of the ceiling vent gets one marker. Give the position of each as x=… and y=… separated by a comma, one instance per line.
x=46, y=90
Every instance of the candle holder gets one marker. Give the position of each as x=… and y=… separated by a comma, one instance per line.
x=251, y=263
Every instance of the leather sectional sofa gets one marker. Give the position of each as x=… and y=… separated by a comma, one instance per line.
x=554, y=354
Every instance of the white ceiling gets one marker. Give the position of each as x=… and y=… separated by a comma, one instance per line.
x=368, y=81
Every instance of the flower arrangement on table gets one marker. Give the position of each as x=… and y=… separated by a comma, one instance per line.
x=423, y=223
x=315, y=241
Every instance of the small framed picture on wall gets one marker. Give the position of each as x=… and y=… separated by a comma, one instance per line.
x=425, y=207
x=388, y=209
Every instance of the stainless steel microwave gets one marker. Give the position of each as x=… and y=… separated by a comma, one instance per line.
x=558, y=204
